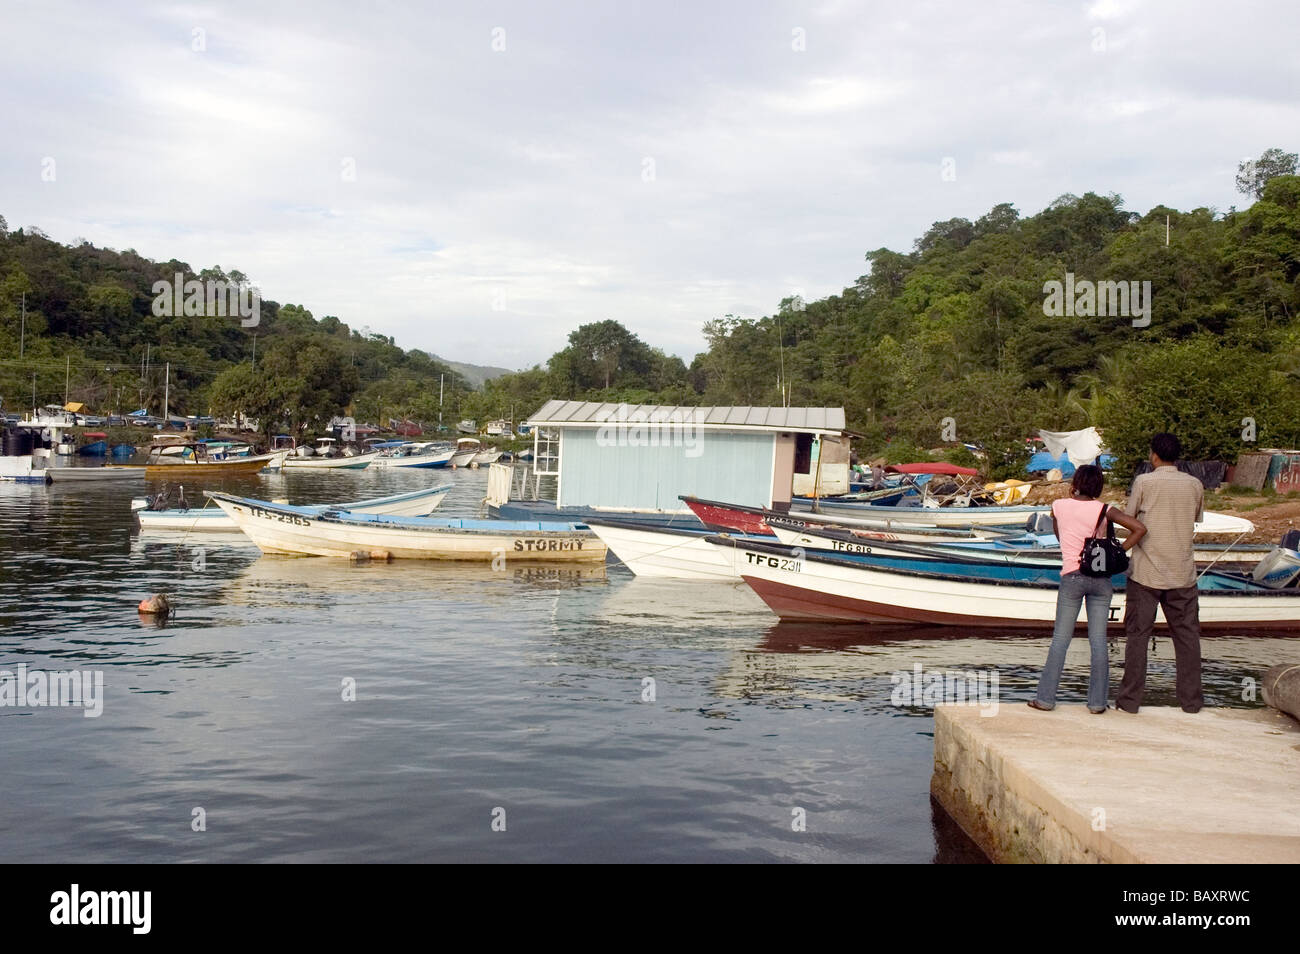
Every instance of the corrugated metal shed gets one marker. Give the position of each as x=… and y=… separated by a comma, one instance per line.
x=827, y=420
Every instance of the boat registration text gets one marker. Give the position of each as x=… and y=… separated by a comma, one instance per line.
x=776, y=563
x=280, y=517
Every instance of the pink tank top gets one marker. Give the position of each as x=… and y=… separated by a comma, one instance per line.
x=1075, y=522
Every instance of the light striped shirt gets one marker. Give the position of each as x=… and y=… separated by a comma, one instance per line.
x=1169, y=503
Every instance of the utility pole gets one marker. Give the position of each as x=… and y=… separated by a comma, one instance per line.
x=440, y=377
x=254, y=351
x=22, y=336
x=33, y=394
x=67, y=370
x=166, y=391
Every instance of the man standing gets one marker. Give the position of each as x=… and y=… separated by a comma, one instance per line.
x=1162, y=572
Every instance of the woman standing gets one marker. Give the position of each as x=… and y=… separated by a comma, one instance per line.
x=1075, y=519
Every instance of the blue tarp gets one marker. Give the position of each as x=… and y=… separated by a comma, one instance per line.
x=1045, y=461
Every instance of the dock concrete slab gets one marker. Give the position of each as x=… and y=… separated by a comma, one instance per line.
x=1161, y=786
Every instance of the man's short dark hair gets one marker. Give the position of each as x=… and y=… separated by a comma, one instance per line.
x=1088, y=481
x=1166, y=447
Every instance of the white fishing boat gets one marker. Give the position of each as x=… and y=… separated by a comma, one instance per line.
x=815, y=585
x=682, y=554
x=1042, y=548
x=489, y=456
x=422, y=456
x=110, y=472
x=356, y=462
x=467, y=448
x=417, y=503
x=279, y=528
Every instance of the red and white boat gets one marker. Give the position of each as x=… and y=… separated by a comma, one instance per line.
x=815, y=585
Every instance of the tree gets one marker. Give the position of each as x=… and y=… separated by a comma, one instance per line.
x=1201, y=391
x=241, y=389
x=1253, y=174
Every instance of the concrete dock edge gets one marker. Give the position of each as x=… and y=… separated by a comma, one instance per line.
x=1067, y=786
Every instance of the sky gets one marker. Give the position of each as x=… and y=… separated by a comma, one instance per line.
x=479, y=179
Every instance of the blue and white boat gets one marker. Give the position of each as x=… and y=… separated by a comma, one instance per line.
x=423, y=456
x=416, y=503
x=305, y=531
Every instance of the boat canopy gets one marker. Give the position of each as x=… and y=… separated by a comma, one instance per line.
x=938, y=467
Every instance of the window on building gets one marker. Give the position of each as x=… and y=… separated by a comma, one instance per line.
x=546, y=452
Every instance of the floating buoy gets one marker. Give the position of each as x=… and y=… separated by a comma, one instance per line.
x=156, y=605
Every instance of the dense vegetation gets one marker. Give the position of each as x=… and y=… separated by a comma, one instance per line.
x=956, y=328
x=90, y=332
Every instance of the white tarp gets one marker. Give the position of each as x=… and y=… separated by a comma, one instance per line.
x=1082, y=447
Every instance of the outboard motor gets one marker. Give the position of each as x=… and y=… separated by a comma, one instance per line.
x=1281, y=565
x=1039, y=523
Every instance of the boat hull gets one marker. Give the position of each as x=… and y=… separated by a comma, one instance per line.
x=803, y=586
x=360, y=462
x=653, y=552
x=419, y=503
x=420, y=461
x=180, y=469
x=752, y=520
x=77, y=475
x=1035, y=549
x=290, y=530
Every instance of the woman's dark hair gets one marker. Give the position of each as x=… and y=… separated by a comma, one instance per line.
x=1167, y=448
x=1088, y=481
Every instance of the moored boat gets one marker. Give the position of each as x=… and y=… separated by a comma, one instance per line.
x=402, y=454
x=97, y=446
x=467, y=448
x=77, y=475
x=673, y=552
x=1039, y=548
x=417, y=503
x=753, y=520
x=815, y=585
x=165, y=460
x=279, y=528
x=358, y=462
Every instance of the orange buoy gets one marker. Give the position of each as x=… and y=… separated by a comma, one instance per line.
x=156, y=605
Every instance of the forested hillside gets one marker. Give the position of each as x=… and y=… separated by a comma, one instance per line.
x=954, y=328
x=90, y=327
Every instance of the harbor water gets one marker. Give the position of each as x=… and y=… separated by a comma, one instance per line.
x=304, y=709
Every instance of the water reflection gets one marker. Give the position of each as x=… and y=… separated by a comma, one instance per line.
x=525, y=686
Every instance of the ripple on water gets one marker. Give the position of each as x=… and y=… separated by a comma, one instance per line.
x=527, y=691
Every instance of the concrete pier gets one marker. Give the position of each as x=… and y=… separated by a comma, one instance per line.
x=1221, y=786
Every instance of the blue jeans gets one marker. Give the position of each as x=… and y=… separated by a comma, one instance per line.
x=1075, y=589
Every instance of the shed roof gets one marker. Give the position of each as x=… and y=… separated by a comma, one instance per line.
x=596, y=414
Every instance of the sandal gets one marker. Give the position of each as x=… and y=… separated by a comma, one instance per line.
x=1035, y=704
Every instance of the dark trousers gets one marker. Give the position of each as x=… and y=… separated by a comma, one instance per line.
x=1182, y=614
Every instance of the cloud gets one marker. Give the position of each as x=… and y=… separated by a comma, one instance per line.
x=399, y=167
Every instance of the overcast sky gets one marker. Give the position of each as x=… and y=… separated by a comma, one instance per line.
x=478, y=179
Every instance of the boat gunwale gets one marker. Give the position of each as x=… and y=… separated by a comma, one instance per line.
x=831, y=558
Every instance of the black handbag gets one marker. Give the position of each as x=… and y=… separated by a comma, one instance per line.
x=1102, y=556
